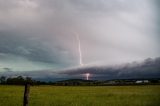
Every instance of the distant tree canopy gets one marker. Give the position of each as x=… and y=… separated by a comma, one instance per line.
x=2, y=79
x=19, y=80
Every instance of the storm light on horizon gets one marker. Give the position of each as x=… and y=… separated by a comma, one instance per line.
x=38, y=34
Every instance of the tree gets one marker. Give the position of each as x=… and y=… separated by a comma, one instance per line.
x=2, y=79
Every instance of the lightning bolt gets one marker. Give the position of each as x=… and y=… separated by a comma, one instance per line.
x=79, y=49
x=80, y=53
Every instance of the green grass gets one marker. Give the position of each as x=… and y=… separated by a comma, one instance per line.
x=82, y=95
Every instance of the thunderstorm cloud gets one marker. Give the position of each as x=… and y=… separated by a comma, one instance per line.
x=37, y=35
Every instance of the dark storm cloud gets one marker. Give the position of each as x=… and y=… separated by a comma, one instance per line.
x=14, y=43
x=150, y=68
x=40, y=32
x=17, y=48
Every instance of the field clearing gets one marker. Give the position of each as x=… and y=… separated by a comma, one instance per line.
x=148, y=95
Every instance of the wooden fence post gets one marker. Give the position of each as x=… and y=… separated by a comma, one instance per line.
x=26, y=95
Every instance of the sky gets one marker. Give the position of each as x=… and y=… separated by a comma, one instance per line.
x=37, y=35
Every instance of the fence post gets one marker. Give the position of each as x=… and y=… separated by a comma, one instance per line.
x=26, y=95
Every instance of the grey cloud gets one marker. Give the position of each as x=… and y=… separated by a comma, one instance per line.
x=111, y=31
x=5, y=69
x=35, y=50
x=149, y=68
x=19, y=45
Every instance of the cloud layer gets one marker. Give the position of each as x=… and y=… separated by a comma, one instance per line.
x=149, y=68
x=38, y=34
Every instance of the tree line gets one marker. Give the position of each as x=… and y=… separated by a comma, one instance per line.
x=19, y=80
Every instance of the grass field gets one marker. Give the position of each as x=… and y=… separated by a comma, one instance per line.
x=82, y=95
